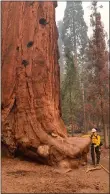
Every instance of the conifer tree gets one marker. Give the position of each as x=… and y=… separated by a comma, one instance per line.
x=98, y=71
x=74, y=33
x=71, y=95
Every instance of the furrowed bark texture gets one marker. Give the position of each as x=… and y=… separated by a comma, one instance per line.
x=31, y=119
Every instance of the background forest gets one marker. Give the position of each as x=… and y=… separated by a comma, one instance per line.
x=84, y=70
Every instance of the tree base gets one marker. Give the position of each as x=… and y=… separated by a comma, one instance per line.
x=61, y=152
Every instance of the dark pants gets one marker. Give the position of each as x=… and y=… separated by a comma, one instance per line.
x=97, y=151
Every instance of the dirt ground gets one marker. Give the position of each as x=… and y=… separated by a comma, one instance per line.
x=19, y=176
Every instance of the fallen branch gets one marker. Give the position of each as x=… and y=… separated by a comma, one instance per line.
x=94, y=168
x=104, y=168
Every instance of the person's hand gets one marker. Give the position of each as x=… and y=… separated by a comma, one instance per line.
x=95, y=146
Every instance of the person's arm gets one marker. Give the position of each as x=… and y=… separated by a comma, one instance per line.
x=98, y=141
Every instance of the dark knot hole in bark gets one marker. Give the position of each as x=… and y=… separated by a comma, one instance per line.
x=30, y=43
x=17, y=48
x=25, y=63
x=43, y=21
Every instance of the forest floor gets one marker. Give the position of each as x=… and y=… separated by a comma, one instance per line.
x=19, y=176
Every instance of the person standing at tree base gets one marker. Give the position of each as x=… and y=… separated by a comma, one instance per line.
x=95, y=147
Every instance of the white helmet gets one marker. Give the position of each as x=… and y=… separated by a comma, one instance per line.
x=93, y=130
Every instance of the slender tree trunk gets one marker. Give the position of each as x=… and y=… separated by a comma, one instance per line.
x=31, y=121
x=102, y=115
x=71, y=111
x=104, y=126
x=83, y=94
x=75, y=44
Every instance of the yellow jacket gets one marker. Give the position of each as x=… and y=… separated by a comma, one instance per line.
x=95, y=139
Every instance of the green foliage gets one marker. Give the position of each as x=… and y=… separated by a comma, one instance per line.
x=97, y=74
x=74, y=39
x=85, y=87
x=71, y=94
x=74, y=32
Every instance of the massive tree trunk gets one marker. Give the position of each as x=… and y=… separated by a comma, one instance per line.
x=31, y=121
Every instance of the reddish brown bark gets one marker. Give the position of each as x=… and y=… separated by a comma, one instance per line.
x=30, y=84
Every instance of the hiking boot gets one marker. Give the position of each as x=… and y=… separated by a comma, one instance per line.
x=93, y=165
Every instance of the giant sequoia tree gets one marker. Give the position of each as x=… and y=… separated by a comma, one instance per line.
x=31, y=120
